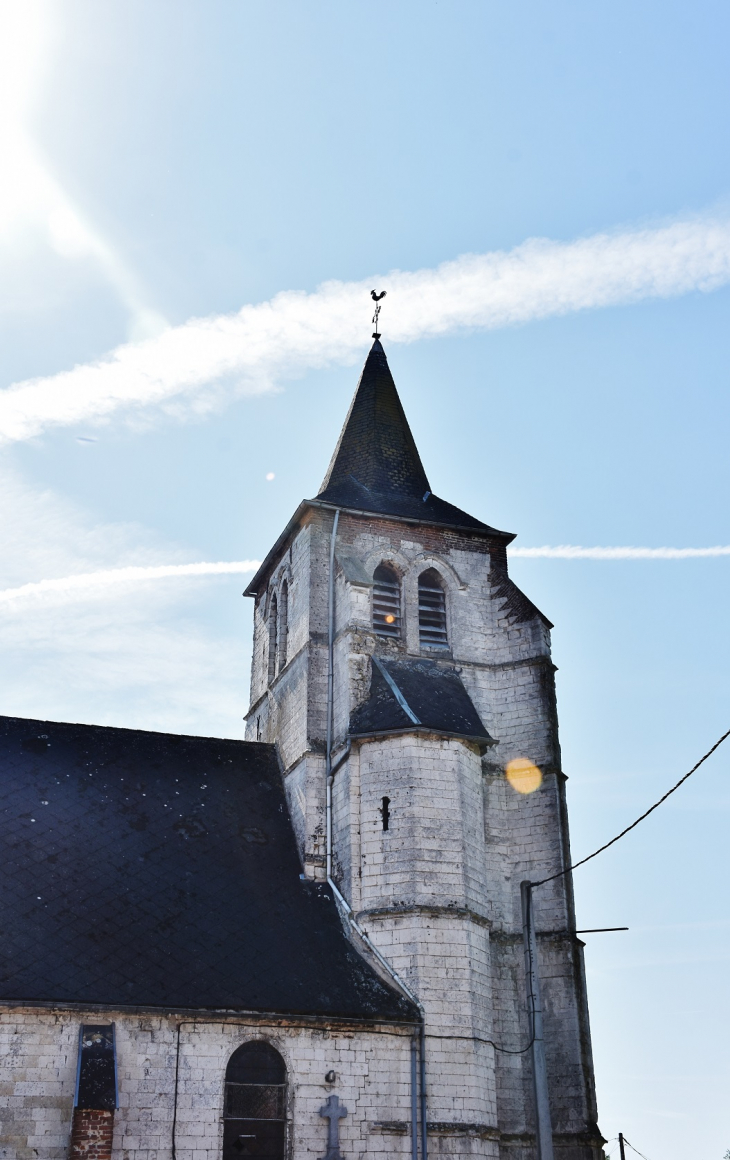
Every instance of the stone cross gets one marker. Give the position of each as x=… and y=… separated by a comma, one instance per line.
x=334, y=1111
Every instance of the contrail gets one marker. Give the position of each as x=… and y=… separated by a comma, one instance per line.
x=575, y=552
x=192, y=367
x=83, y=582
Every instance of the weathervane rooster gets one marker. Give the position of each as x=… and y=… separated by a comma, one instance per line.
x=377, y=299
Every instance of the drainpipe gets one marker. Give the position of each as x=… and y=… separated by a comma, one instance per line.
x=414, y=1097
x=354, y=925
x=330, y=687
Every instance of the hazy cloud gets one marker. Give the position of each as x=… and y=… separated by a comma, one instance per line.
x=84, y=582
x=146, y=653
x=194, y=366
x=82, y=585
x=575, y=552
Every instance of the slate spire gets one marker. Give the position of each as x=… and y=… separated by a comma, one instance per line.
x=376, y=466
x=376, y=451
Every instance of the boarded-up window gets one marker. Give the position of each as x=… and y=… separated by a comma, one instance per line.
x=254, y=1114
x=283, y=624
x=432, y=610
x=273, y=622
x=386, y=601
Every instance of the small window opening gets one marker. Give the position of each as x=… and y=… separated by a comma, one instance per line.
x=254, y=1115
x=385, y=812
x=386, y=602
x=432, y=610
x=283, y=624
x=273, y=618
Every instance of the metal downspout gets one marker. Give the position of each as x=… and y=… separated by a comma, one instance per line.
x=329, y=774
x=414, y=1097
x=424, y=1119
x=330, y=687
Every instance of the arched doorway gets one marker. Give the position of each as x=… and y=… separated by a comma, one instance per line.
x=254, y=1115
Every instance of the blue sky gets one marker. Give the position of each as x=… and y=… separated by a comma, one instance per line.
x=186, y=160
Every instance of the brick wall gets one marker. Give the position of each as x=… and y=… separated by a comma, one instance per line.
x=91, y=1135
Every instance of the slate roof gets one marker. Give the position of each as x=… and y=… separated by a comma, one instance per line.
x=147, y=869
x=413, y=692
x=376, y=466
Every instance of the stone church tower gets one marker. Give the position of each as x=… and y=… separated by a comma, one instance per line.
x=398, y=671
x=308, y=945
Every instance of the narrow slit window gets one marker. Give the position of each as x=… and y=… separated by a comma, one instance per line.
x=385, y=813
x=386, y=602
x=283, y=624
x=432, y=610
x=273, y=619
x=254, y=1114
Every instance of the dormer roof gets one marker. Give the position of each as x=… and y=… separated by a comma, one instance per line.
x=419, y=694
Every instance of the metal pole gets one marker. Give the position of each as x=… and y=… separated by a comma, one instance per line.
x=621, y=1145
x=544, y=1132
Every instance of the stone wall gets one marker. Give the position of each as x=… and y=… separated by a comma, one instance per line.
x=38, y=1074
x=446, y=878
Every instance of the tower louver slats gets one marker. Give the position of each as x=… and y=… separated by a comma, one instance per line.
x=386, y=602
x=432, y=612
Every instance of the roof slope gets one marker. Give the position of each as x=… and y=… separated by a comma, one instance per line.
x=406, y=694
x=154, y=870
x=376, y=466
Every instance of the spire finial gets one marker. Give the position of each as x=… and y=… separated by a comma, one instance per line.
x=377, y=299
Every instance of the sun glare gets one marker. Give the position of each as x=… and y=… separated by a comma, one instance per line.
x=523, y=775
x=34, y=207
x=25, y=30
x=24, y=39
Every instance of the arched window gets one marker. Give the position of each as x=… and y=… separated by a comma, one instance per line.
x=273, y=618
x=432, y=610
x=386, y=601
x=283, y=624
x=254, y=1112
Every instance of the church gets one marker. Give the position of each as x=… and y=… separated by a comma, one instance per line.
x=309, y=944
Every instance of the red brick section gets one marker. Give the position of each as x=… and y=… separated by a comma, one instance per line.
x=91, y=1135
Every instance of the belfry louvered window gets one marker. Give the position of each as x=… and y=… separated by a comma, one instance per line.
x=432, y=610
x=254, y=1113
x=386, y=601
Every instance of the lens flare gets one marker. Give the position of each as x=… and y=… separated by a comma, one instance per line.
x=390, y=619
x=523, y=775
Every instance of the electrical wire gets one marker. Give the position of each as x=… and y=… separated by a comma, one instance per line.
x=481, y=1039
x=634, y=1150
x=633, y=825
x=490, y=1042
x=531, y=1010
x=174, y=1106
